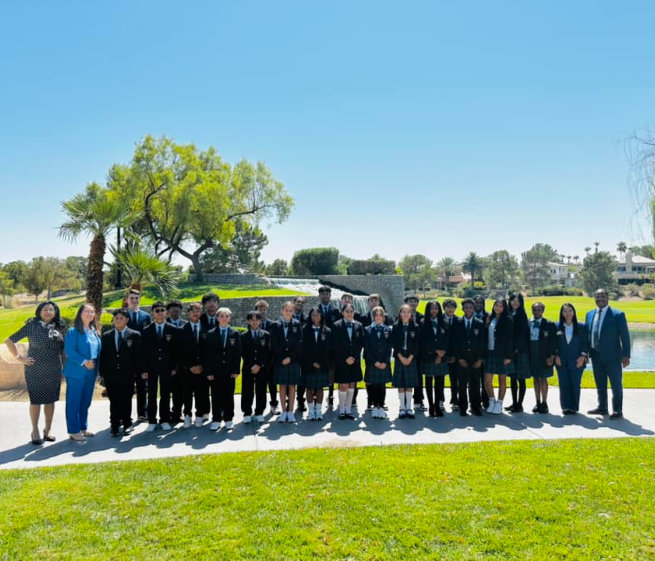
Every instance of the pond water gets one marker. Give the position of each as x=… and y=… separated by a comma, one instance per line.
x=643, y=350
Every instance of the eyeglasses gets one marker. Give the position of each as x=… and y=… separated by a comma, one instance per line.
x=159, y=310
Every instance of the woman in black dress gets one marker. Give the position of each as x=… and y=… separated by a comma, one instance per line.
x=43, y=364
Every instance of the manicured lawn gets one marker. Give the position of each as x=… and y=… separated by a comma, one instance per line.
x=12, y=320
x=575, y=499
x=638, y=311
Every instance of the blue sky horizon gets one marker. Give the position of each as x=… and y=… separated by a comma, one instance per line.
x=425, y=127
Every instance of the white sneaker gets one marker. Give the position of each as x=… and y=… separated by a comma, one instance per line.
x=498, y=409
x=283, y=417
x=199, y=421
x=166, y=426
x=229, y=425
x=492, y=406
x=247, y=419
x=291, y=417
x=376, y=413
x=311, y=412
x=215, y=425
x=187, y=422
x=382, y=414
x=152, y=427
x=261, y=419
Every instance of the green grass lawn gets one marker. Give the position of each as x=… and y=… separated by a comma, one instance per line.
x=13, y=319
x=572, y=499
x=638, y=311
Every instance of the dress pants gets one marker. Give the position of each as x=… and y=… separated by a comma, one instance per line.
x=222, y=388
x=79, y=392
x=196, y=386
x=141, y=397
x=159, y=381
x=468, y=386
x=253, y=386
x=120, y=403
x=177, y=390
x=604, y=370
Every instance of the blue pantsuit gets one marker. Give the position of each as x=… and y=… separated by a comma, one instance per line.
x=569, y=375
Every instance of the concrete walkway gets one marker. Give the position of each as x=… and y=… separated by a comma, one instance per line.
x=16, y=450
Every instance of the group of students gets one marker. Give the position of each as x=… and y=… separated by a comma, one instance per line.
x=178, y=364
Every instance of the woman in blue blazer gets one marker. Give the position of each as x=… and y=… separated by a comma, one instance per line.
x=82, y=346
x=571, y=358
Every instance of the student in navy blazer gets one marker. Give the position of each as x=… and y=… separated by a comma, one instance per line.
x=139, y=320
x=571, y=358
x=82, y=346
x=610, y=352
x=377, y=356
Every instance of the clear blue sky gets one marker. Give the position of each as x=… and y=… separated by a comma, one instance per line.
x=407, y=127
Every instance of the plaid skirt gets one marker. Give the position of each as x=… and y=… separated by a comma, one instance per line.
x=495, y=365
x=288, y=375
x=315, y=380
x=432, y=369
x=522, y=366
x=537, y=368
x=404, y=376
x=376, y=376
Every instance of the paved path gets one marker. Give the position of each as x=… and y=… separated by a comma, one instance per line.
x=16, y=451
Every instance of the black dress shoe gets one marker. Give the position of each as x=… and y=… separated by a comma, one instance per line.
x=438, y=412
x=113, y=431
x=477, y=412
x=342, y=416
x=597, y=411
x=517, y=408
x=431, y=411
x=463, y=413
x=510, y=407
x=616, y=416
x=350, y=416
x=544, y=407
x=537, y=408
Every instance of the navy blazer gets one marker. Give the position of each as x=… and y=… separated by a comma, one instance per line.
x=344, y=346
x=257, y=352
x=547, y=340
x=219, y=359
x=503, y=337
x=77, y=351
x=521, y=333
x=614, y=336
x=432, y=342
x=190, y=350
x=377, y=349
x=289, y=346
x=578, y=346
x=397, y=338
x=314, y=351
x=469, y=346
x=120, y=365
x=160, y=356
x=331, y=316
x=143, y=319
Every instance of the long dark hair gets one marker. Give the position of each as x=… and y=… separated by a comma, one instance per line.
x=79, y=324
x=562, y=322
x=521, y=309
x=505, y=312
x=428, y=311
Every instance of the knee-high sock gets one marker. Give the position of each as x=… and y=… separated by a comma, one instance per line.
x=408, y=399
x=401, y=399
x=349, y=399
x=342, y=401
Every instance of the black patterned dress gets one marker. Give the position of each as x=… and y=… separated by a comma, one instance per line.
x=46, y=347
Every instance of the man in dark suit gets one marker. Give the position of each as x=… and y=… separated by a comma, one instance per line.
x=159, y=349
x=610, y=352
x=468, y=343
x=543, y=346
x=118, y=366
x=194, y=382
x=139, y=320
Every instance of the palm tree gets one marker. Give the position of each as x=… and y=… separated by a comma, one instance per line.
x=587, y=250
x=576, y=258
x=596, y=244
x=568, y=259
x=622, y=247
x=143, y=266
x=472, y=263
x=95, y=213
x=445, y=269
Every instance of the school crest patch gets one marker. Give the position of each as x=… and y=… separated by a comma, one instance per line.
x=476, y=332
x=169, y=338
x=262, y=342
x=129, y=343
x=231, y=342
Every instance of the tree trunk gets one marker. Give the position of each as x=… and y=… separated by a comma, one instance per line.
x=94, y=273
x=119, y=272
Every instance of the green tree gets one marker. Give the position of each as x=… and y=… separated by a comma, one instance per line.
x=188, y=200
x=278, y=268
x=535, y=267
x=142, y=266
x=472, y=263
x=445, y=268
x=95, y=212
x=241, y=254
x=315, y=261
x=417, y=270
x=597, y=272
x=16, y=270
x=6, y=287
x=36, y=277
x=376, y=265
x=502, y=269
x=622, y=247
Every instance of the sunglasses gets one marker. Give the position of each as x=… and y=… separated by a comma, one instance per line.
x=159, y=310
